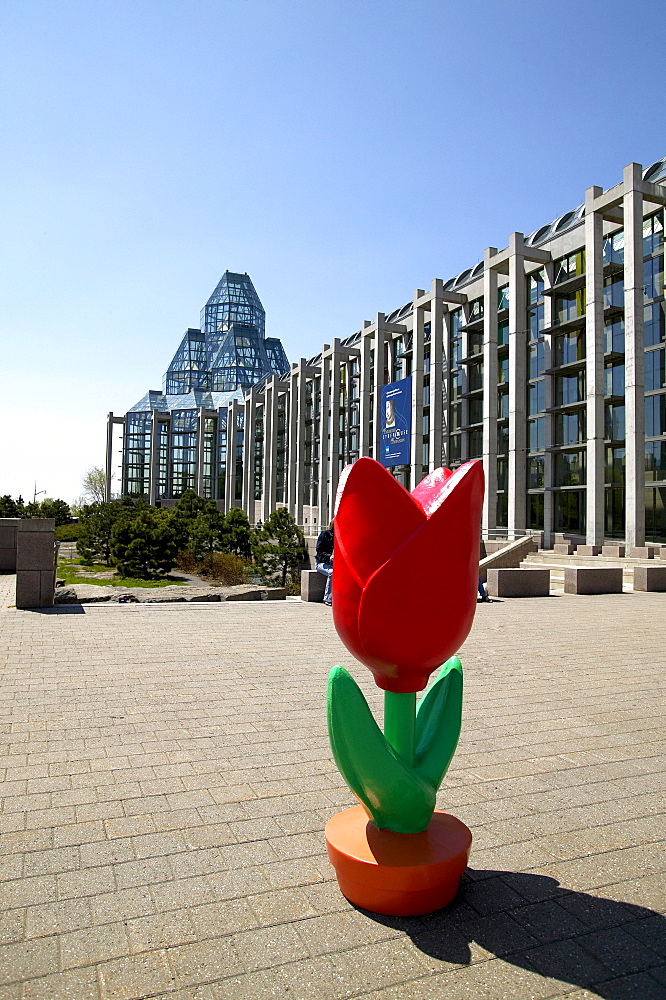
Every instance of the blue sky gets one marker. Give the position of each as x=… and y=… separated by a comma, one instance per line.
x=342, y=153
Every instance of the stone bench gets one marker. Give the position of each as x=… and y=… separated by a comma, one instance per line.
x=519, y=582
x=613, y=549
x=643, y=552
x=563, y=549
x=592, y=579
x=650, y=578
x=588, y=550
x=313, y=585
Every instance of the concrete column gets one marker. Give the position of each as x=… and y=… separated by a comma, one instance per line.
x=436, y=375
x=594, y=367
x=198, y=475
x=379, y=342
x=548, y=310
x=154, y=458
x=300, y=443
x=365, y=444
x=247, y=502
x=292, y=436
x=336, y=361
x=230, y=481
x=489, y=517
x=109, y=456
x=416, y=443
x=517, y=387
x=325, y=512
x=270, y=448
x=446, y=398
x=634, y=358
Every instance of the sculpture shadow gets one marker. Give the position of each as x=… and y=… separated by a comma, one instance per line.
x=59, y=609
x=602, y=945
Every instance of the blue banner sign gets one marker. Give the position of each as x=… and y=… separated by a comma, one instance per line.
x=396, y=422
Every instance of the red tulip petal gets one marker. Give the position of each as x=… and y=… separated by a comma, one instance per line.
x=418, y=608
x=375, y=516
x=429, y=492
x=346, y=595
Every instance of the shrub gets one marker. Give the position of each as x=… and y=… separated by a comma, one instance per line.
x=186, y=561
x=145, y=546
x=68, y=532
x=222, y=567
x=279, y=548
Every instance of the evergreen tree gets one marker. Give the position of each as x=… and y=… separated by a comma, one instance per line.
x=57, y=509
x=145, y=545
x=11, y=508
x=97, y=521
x=237, y=533
x=278, y=547
x=207, y=532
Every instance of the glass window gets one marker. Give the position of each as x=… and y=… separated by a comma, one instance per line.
x=503, y=370
x=475, y=377
x=655, y=514
x=569, y=389
x=614, y=337
x=614, y=249
x=614, y=380
x=655, y=461
x=475, y=310
x=655, y=415
x=569, y=468
x=536, y=321
x=537, y=434
x=537, y=359
x=502, y=405
x=456, y=385
x=655, y=370
x=614, y=422
x=570, y=428
x=535, y=511
x=503, y=333
x=503, y=297
x=456, y=417
x=502, y=439
x=535, y=473
x=653, y=317
x=570, y=307
x=476, y=444
x=475, y=411
x=653, y=234
x=613, y=292
x=569, y=267
x=536, y=403
x=569, y=347
x=502, y=473
x=502, y=510
x=569, y=512
x=616, y=461
x=455, y=449
x=614, y=513
x=653, y=277
x=536, y=281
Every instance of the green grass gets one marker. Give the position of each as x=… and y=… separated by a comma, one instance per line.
x=69, y=571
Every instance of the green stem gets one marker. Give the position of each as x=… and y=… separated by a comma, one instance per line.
x=400, y=724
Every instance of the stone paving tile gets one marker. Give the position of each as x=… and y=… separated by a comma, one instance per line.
x=165, y=776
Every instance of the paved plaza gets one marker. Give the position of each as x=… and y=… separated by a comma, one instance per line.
x=166, y=777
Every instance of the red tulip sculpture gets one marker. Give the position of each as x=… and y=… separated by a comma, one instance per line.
x=404, y=598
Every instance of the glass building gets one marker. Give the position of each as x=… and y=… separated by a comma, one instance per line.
x=179, y=438
x=546, y=359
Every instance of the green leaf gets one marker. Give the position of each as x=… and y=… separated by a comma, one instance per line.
x=395, y=796
x=438, y=720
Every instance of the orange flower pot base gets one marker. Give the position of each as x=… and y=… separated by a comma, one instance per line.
x=398, y=874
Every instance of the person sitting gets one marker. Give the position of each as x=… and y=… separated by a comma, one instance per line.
x=324, y=560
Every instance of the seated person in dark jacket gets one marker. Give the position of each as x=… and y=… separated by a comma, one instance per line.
x=324, y=559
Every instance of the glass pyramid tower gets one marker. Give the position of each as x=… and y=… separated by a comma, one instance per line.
x=225, y=357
